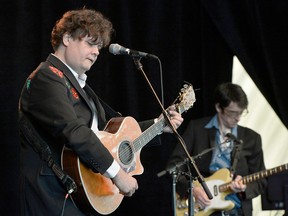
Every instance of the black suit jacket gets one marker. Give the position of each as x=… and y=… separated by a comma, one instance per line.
x=61, y=113
x=198, y=138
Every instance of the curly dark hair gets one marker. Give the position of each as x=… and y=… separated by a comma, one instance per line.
x=80, y=23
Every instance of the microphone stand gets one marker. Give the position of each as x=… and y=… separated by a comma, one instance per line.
x=180, y=139
x=175, y=173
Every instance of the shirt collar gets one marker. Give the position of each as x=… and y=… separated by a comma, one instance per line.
x=214, y=123
x=81, y=79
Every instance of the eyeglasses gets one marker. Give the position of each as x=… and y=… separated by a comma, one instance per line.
x=235, y=114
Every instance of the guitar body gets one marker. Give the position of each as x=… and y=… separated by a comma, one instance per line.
x=218, y=203
x=97, y=193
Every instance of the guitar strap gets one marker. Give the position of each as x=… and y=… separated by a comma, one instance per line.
x=109, y=110
x=41, y=147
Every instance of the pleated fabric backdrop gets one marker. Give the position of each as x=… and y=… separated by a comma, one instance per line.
x=195, y=41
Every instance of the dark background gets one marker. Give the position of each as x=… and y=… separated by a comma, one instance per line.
x=195, y=41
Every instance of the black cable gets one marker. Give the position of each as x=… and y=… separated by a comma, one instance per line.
x=64, y=204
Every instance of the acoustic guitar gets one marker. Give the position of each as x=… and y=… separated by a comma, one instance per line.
x=123, y=137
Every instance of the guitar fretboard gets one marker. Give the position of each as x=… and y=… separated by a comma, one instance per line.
x=256, y=176
x=149, y=134
x=154, y=130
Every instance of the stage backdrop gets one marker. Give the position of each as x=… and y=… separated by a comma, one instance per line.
x=195, y=41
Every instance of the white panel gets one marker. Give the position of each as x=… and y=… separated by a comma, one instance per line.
x=264, y=120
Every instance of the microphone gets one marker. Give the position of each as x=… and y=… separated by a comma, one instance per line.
x=117, y=49
x=233, y=138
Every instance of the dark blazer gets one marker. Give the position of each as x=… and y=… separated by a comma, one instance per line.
x=61, y=113
x=198, y=138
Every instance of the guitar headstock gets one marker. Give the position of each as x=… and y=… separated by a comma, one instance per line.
x=186, y=98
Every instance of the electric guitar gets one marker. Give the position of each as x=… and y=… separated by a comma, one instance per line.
x=123, y=137
x=219, y=185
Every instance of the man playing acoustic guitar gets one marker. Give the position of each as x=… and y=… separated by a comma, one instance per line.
x=58, y=110
x=233, y=148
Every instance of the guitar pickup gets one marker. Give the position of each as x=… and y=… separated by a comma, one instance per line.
x=215, y=189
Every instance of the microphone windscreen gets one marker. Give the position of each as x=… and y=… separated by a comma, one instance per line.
x=115, y=49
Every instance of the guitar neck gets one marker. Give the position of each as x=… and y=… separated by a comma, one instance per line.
x=149, y=134
x=264, y=173
x=153, y=131
x=257, y=176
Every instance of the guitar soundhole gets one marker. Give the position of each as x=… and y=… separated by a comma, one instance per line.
x=125, y=153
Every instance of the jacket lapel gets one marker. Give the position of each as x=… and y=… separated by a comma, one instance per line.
x=100, y=111
x=212, y=137
x=68, y=74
